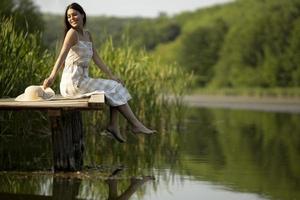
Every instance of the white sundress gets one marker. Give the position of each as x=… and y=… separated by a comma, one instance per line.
x=76, y=83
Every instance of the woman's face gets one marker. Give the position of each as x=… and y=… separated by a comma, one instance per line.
x=75, y=18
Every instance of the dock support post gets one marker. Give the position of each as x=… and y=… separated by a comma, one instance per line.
x=67, y=139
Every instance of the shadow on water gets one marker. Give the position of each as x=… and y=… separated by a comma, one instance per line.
x=218, y=154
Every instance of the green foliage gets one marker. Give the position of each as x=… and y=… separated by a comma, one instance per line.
x=149, y=33
x=291, y=59
x=22, y=61
x=103, y=27
x=199, y=50
x=53, y=33
x=25, y=14
x=256, y=45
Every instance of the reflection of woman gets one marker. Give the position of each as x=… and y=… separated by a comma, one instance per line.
x=135, y=183
x=75, y=54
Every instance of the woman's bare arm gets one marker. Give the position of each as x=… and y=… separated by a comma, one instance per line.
x=69, y=41
x=99, y=62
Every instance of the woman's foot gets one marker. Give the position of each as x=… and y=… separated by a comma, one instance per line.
x=142, y=129
x=116, y=134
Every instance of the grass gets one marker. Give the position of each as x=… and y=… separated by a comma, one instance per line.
x=22, y=60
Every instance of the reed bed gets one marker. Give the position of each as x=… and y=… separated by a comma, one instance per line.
x=23, y=62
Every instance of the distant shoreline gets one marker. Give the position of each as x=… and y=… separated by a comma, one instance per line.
x=268, y=104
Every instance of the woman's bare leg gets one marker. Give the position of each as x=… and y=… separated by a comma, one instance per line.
x=114, y=118
x=113, y=126
x=137, y=126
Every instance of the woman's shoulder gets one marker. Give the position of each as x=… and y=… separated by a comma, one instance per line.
x=72, y=32
x=72, y=36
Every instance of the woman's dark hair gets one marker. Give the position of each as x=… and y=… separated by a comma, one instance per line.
x=77, y=7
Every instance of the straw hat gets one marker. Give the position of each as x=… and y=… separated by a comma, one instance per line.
x=36, y=93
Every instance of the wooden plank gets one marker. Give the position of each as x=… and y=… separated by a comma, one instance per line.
x=95, y=100
x=57, y=102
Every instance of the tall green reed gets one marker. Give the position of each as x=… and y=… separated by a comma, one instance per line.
x=22, y=63
x=22, y=60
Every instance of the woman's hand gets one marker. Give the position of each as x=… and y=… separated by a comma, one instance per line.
x=115, y=78
x=48, y=82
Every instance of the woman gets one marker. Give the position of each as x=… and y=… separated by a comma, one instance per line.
x=75, y=54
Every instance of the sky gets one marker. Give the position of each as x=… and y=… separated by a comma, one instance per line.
x=127, y=8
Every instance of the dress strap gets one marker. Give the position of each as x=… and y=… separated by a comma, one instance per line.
x=88, y=34
x=77, y=36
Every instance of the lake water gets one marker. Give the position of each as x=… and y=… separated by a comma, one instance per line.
x=214, y=154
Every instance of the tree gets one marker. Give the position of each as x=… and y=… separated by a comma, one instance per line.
x=200, y=50
x=259, y=50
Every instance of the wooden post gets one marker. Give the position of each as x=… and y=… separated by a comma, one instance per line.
x=67, y=139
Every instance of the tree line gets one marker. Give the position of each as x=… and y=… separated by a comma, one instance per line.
x=247, y=43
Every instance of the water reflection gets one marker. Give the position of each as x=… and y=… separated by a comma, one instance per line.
x=135, y=183
x=218, y=153
x=65, y=188
x=71, y=186
x=255, y=152
x=31, y=152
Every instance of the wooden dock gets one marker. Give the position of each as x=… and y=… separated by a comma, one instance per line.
x=66, y=126
x=95, y=102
